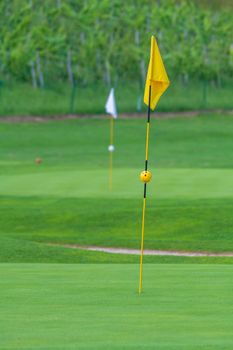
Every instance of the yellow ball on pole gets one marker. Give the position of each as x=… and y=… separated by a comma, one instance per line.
x=145, y=176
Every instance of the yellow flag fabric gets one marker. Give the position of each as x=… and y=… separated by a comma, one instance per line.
x=156, y=76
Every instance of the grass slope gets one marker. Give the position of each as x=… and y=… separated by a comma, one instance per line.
x=66, y=199
x=66, y=307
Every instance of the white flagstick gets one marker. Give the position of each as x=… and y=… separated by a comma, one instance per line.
x=110, y=108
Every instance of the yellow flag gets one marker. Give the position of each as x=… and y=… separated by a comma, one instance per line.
x=156, y=76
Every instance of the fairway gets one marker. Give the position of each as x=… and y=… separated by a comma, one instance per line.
x=183, y=307
x=66, y=199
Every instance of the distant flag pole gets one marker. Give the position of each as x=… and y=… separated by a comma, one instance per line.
x=111, y=109
x=156, y=83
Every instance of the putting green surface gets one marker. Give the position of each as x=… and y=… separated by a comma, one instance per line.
x=87, y=306
x=66, y=198
x=167, y=183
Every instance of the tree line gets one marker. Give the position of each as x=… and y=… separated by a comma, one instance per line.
x=84, y=41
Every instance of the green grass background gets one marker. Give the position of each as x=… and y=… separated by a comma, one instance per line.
x=86, y=306
x=66, y=198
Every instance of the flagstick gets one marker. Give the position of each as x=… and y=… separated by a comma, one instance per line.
x=111, y=152
x=144, y=196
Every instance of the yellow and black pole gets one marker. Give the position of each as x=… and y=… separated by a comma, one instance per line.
x=145, y=177
x=156, y=83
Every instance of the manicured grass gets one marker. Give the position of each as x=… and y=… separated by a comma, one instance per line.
x=24, y=251
x=200, y=142
x=167, y=183
x=22, y=99
x=66, y=198
x=62, y=307
x=192, y=225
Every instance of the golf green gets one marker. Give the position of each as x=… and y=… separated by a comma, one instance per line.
x=62, y=307
x=168, y=183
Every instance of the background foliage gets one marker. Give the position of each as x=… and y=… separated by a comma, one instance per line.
x=90, y=40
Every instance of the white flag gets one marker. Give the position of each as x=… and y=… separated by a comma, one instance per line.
x=110, y=106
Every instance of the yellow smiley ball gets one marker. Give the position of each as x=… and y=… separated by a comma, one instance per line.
x=145, y=176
